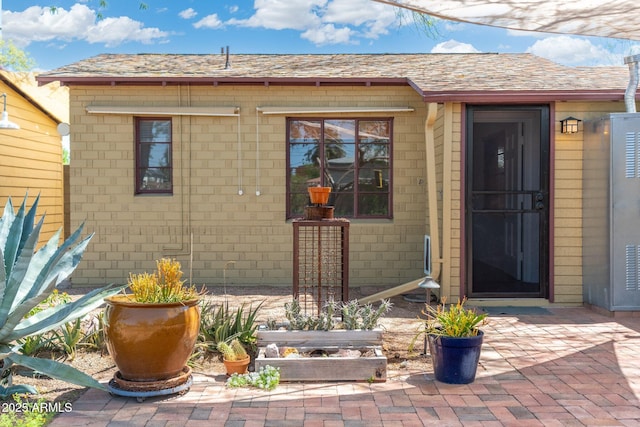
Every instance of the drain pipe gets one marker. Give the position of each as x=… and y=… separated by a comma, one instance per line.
x=428, y=282
x=630, y=94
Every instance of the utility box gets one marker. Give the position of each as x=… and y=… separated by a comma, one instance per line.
x=611, y=212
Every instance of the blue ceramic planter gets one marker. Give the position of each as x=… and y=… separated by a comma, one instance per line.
x=455, y=360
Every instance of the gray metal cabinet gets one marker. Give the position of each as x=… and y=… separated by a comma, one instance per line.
x=611, y=212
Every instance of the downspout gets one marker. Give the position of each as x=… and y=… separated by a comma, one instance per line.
x=432, y=196
x=630, y=94
x=185, y=194
x=432, y=189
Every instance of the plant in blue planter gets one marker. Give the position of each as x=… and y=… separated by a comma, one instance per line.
x=455, y=340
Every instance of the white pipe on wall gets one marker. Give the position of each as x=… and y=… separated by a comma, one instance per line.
x=432, y=196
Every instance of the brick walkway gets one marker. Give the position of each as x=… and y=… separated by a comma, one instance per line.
x=570, y=368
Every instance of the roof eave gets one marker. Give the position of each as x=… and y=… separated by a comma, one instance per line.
x=524, y=96
x=216, y=81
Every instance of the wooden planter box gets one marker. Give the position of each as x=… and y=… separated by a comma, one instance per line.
x=372, y=367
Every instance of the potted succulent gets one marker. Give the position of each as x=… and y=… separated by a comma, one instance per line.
x=455, y=340
x=152, y=332
x=234, y=356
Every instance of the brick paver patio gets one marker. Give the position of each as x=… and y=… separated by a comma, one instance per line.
x=572, y=367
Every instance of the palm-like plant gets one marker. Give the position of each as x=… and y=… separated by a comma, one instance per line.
x=27, y=277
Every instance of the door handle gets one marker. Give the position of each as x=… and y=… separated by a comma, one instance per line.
x=539, y=197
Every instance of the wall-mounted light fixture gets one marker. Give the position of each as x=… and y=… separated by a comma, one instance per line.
x=5, y=123
x=569, y=125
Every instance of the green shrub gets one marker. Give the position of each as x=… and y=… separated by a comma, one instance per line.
x=223, y=324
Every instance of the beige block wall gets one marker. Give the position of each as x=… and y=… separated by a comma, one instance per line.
x=133, y=231
x=205, y=212
x=31, y=162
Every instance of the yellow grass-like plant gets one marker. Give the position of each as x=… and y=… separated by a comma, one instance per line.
x=454, y=320
x=165, y=285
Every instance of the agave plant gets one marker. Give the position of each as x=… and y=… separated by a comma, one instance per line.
x=27, y=277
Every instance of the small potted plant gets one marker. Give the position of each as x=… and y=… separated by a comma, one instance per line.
x=152, y=332
x=234, y=356
x=455, y=340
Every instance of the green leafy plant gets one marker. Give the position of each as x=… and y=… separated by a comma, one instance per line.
x=454, y=320
x=31, y=414
x=37, y=344
x=267, y=378
x=68, y=336
x=222, y=324
x=165, y=285
x=94, y=338
x=27, y=277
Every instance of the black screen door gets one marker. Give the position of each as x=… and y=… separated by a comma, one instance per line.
x=507, y=201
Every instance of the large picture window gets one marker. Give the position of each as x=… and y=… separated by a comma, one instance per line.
x=352, y=156
x=153, y=156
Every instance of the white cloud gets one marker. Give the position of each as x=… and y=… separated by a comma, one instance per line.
x=37, y=24
x=327, y=34
x=453, y=46
x=115, y=31
x=187, y=13
x=209, y=21
x=281, y=15
x=570, y=50
x=323, y=21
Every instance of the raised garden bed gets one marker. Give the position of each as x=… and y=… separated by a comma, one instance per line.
x=321, y=355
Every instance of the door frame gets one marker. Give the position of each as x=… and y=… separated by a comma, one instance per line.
x=547, y=130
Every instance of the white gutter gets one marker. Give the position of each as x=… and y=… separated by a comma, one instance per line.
x=332, y=110
x=164, y=110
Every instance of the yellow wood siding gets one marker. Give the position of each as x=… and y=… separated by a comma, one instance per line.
x=568, y=198
x=31, y=161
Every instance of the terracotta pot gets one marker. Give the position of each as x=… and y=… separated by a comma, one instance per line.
x=319, y=195
x=237, y=366
x=150, y=342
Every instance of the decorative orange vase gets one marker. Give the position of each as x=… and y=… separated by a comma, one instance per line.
x=150, y=342
x=237, y=366
x=319, y=195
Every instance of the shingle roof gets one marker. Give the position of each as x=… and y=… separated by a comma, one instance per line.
x=429, y=74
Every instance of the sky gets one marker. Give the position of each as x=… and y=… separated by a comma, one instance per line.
x=59, y=32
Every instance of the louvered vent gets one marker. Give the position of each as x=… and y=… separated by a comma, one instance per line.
x=632, y=164
x=632, y=254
